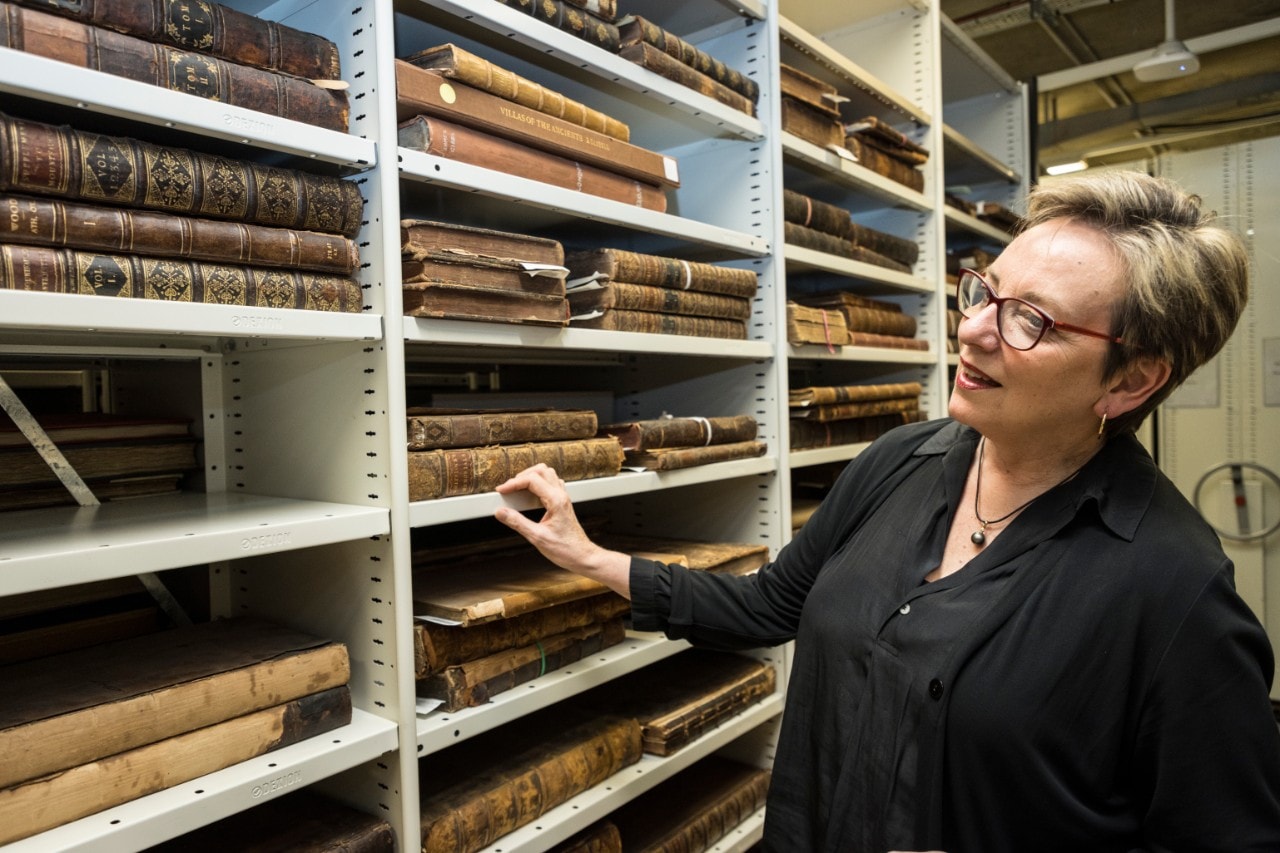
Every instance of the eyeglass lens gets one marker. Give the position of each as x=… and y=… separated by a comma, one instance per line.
x=1021, y=325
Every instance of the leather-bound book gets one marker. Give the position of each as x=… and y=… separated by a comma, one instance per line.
x=50, y=621
x=426, y=235
x=822, y=395
x=477, y=791
x=199, y=74
x=81, y=706
x=673, y=458
x=891, y=246
x=810, y=123
x=817, y=215
x=68, y=224
x=480, y=590
x=465, y=67
x=572, y=17
x=806, y=325
x=810, y=434
x=818, y=94
x=23, y=466
x=865, y=409
x=602, y=837
x=425, y=268
x=48, y=801
x=680, y=698
x=430, y=428
x=467, y=685
x=998, y=215
x=646, y=297
x=656, y=323
x=610, y=264
x=302, y=821
x=682, y=432
x=820, y=241
x=95, y=426
x=449, y=301
x=124, y=487
x=664, y=65
x=472, y=470
x=727, y=558
x=636, y=29
x=606, y=10
x=437, y=646
x=882, y=164
x=61, y=161
x=468, y=145
x=48, y=270
x=211, y=28
x=872, y=339
x=889, y=139
x=694, y=809
x=423, y=92
x=861, y=317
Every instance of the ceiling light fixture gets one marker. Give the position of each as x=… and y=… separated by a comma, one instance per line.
x=1067, y=168
x=1171, y=59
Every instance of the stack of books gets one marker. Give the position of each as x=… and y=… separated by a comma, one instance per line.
x=468, y=451
x=455, y=104
x=811, y=108
x=593, y=21
x=456, y=272
x=886, y=151
x=826, y=416
x=824, y=227
x=663, y=52
x=997, y=215
x=624, y=291
x=871, y=322
x=806, y=325
x=62, y=619
x=212, y=695
x=122, y=217
x=669, y=443
x=216, y=53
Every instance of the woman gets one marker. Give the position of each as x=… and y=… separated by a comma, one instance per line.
x=1012, y=632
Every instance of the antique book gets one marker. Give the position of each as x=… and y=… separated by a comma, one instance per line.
x=425, y=268
x=434, y=427
x=464, y=66
x=861, y=317
x=71, y=271
x=572, y=17
x=693, y=809
x=820, y=241
x=69, y=224
x=871, y=339
x=503, y=586
x=802, y=509
x=807, y=325
x=809, y=434
x=960, y=203
x=126, y=487
x=48, y=801
x=889, y=139
x=815, y=214
x=863, y=409
x=423, y=92
x=429, y=235
x=61, y=161
x=603, y=837
x=891, y=246
x=725, y=558
x=199, y=74
x=664, y=65
x=177, y=680
x=211, y=28
x=818, y=94
x=20, y=466
x=826, y=394
x=654, y=323
x=469, y=145
x=302, y=821
x=49, y=621
x=682, y=432
x=882, y=164
x=604, y=9
x=445, y=301
x=998, y=215
x=610, y=264
x=906, y=156
x=473, y=683
x=680, y=698
x=810, y=123
x=469, y=471
x=477, y=791
x=437, y=646
x=673, y=458
x=601, y=296
x=635, y=29
x=94, y=426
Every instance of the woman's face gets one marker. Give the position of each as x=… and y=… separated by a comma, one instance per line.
x=1051, y=391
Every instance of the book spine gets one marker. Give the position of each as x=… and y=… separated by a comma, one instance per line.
x=48, y=270
x=445, y=301
x=606, y=10
x=814, y=214
x=209, y=28
x=859, y=319
x=683, y=432
x=465, y=67
x=45, y=159
x=674, y=458
x=825, y=395
x=481, y=429
x=68, y=224
x=668, y=734
x=819, y=241
x=58, y=798
x=804, y=87
x=444, y=269
x=424, y=235
x=199, y=74
x=810, y=124
x=869, y=339
x=882, y=164
x=643, y=297
x=469, y=471
x=572, y=19
x=636, y=268
x=636, y=29
x=649, y=322
x=896, y=248
x=808, y=434
x=664, y=65
x=468, y=145
x=846, y=411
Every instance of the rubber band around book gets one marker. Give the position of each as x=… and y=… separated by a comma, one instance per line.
x=706, y=423
x=542, y=669
x=826, y=330
x=808, y=211
x=688, y=274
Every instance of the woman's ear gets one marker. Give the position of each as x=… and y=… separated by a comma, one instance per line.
x=1133, y=384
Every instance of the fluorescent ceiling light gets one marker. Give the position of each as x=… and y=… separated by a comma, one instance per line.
x=1067, y=168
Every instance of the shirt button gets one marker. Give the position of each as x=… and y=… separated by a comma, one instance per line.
x=904, y=609
x=935, y=689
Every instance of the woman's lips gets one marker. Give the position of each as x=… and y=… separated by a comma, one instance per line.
x=967, y=376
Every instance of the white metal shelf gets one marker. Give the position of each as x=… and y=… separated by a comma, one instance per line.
x=845, y=170
x=961, y=221
x=964, y=158
x=823, y=455
x=46, y=548
x=803, y=259
x=444, y=510
x=580, y=812
x=742, y=837
x=158, y=817
x=817, y=352
x=44, y=79
x=440, y=729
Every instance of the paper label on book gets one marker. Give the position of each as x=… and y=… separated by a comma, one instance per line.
x=834, y=98
x=590, y=315
x=585, y=280
x=671, y=169
x=544, y=270
x=842, y=152
x=424, y=706
x=447, y=94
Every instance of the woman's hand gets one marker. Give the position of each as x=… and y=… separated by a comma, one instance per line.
x=558, y=535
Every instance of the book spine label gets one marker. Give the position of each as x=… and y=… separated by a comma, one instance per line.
x=194, y=73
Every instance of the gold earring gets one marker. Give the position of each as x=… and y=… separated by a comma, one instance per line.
x=1102, y=426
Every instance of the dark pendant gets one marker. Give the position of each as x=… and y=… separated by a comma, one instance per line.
x=978, y=538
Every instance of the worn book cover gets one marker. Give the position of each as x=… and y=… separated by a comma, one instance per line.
x=807, y=434
x=658, y=323
x=817, y=395
x=810, y=90
x=601, y=837
x=823, y=326
x=636, y=29
x=427, y=235
x=682, y=431
x=435, y=427
x=889, y=139
x=844, y=411
x=442, y=300
x=875, y=160
x=49, y=621
x=664, y=65
x=92, y=460
x=613, y=264
x=469, y=471
x=862, y=316
x=605, y=295
x=431, y=267
x=729, y=558
x=841, y=245
x=812, y=213
x=673, y=458
x=573, y=17
x=810, y=123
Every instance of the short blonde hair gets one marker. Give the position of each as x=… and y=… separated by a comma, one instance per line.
x=1187, y=277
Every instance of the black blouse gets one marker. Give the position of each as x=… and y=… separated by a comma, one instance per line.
x=1088, y=682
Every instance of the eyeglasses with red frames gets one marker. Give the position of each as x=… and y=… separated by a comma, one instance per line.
x=1021, y=324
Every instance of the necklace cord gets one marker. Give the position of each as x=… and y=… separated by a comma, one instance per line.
x=979, y=537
